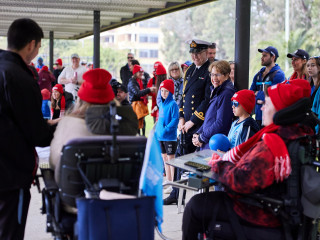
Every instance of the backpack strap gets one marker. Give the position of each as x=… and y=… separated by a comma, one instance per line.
x=292, y=203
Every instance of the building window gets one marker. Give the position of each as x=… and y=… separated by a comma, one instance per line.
x=148, y=53
x=154, y=39
x=153, y=54
x=109, y=39
x=144, y=38
x=143, y=53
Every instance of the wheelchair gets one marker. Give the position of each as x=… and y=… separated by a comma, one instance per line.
x=288, y=205
x=91, y=164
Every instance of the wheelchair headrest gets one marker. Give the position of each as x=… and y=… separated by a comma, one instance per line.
x=293, y=114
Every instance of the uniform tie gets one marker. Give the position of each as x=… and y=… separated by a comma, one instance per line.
x=194, y=72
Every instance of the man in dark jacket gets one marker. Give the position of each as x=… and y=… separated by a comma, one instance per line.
x=122, y=94
x=125, y=72
x=22, y=126
x=269, y=75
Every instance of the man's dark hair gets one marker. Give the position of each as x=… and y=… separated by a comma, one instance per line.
x=212, y=46
x=135, y=62
x=21, y=32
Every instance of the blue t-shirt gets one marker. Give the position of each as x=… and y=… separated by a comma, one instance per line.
x=242, y=131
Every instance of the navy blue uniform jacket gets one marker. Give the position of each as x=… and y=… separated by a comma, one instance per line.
x=196, y=94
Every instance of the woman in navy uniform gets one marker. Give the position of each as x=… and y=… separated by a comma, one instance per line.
x=195, y=99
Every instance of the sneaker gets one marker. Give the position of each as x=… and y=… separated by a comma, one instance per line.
x=167, y=190
x=164, y=182
x=170, y=200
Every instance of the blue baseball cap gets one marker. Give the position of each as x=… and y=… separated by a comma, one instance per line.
x=272, y=50
x=299, y=53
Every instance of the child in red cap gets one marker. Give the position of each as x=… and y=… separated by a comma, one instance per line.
x=153, y=82
x=245, y=127
x=167, y=126
x=45, y=108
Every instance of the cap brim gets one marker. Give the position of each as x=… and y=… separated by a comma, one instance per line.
x=196, y=50
x=261, y=50
x=290, y=55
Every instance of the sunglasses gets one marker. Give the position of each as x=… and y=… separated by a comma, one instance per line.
x=234, y=104
x=130, y=57
x=315, y=57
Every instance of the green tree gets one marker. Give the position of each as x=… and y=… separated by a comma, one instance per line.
x=212, y=22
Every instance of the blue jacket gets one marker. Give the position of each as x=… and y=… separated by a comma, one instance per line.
x=168, y=120
x=219, y=115
x=45, y=108
x=257, y=85
x=316, y=107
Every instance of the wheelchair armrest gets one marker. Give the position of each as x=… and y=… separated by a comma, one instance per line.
x=48, y=179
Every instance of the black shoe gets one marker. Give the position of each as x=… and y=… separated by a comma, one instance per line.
x=170, y=200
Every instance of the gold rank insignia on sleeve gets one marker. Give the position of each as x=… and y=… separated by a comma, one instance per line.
x=199, y=115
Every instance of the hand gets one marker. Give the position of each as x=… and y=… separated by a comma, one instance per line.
x=220, y=151
x=154, y=109
x=153, y=89
x=188, y=125
x=73, y=80
x=53, y=121
x=181, y=124
x=214, y=159
x=195, y=140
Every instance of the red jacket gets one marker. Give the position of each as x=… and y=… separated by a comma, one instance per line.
x=45, y=80
x=253, y=172
x=153, y=96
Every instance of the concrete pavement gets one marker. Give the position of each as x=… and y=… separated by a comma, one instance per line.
x=36, y=222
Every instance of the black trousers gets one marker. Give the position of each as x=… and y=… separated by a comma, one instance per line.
x=199, y=211
x=182, y=150
x=14, y=205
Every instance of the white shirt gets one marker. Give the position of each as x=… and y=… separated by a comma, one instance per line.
x=68, y=72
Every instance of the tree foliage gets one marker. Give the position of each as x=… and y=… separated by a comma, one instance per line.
x=213, y=22
x=216, y=22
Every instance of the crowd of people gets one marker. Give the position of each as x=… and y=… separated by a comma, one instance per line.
x=192, y=101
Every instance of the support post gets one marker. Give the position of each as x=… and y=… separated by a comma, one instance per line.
x=96, y=39
x=242, y=43
x=51, y=51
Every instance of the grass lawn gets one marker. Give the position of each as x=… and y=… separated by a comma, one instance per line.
x=149, y=119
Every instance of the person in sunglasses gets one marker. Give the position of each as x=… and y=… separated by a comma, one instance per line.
x=125, y=72
x=245, y=126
